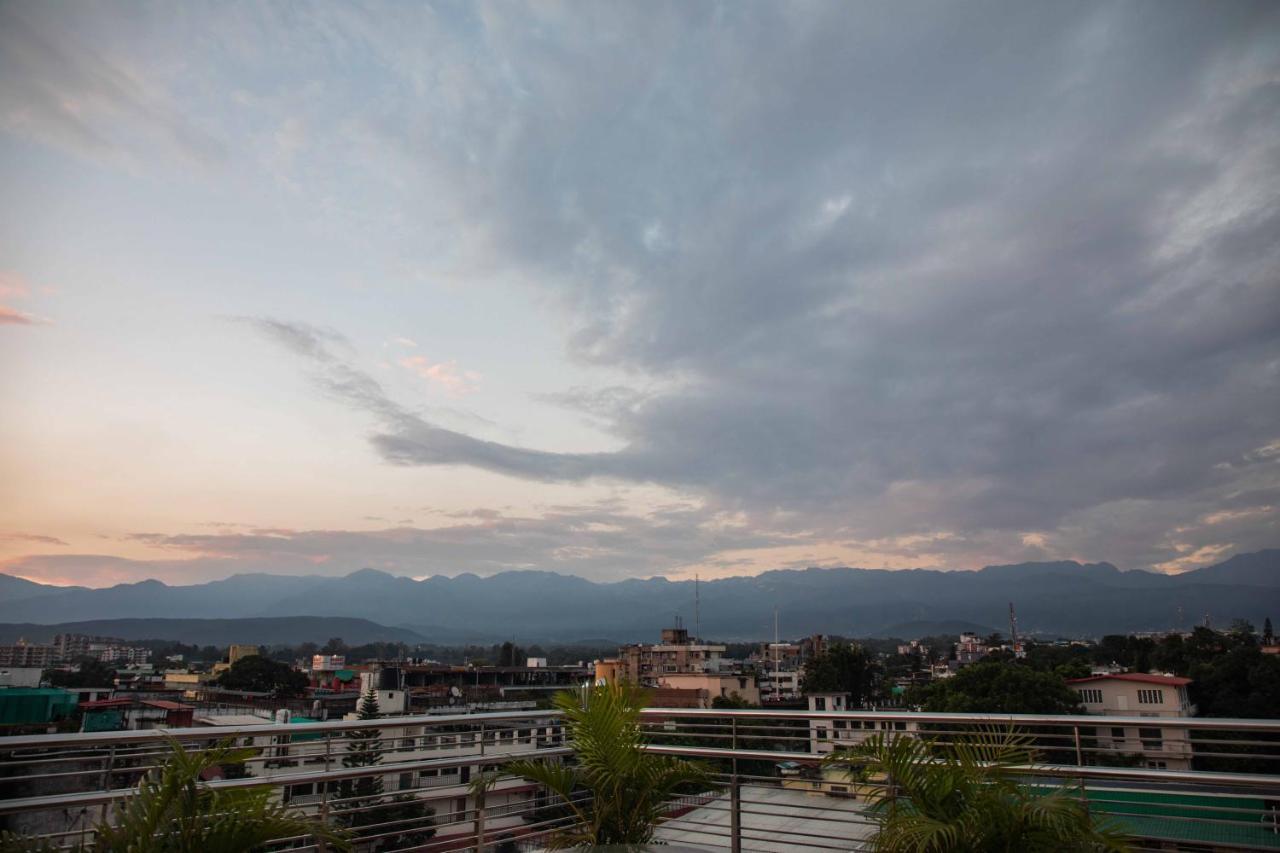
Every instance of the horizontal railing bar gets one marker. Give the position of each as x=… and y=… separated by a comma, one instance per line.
x=1067, y=770
x=218, y=732
x=55, y=801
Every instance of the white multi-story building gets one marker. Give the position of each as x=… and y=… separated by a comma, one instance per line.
x=1140, y=694
x=447, y=787
x=830, y=735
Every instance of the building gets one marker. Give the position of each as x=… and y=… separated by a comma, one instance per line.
x=328, y=663
x=34, y=706
x=829, y=735
x=706, y=687
x=111, y=652
x=425, y=739
x=780, y=684
x=970, y=649
x=1143, y=695
x=643, y=663
x=21, y=676
x=22, y=654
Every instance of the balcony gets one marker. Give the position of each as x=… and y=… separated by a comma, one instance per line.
x=769, y=792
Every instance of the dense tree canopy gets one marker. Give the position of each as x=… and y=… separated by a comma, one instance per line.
x=92, y=673
x=842, y=668
x=262, y=675
x=997, y=687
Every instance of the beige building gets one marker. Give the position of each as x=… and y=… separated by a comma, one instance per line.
x=714, y=685
x=645, y=664
x=1139, y=694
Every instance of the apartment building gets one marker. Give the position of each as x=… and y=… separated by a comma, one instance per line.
x=22, y=654
x=644, y=663
x=1142, y=695
x=827, y=736
x=447, y=787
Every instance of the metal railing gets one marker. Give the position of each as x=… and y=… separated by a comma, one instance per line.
x=1167, y=782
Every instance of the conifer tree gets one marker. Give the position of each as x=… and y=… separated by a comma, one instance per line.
x=402, y=820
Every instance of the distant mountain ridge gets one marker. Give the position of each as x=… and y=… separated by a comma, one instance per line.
x=1063, y=597
x=280, y=630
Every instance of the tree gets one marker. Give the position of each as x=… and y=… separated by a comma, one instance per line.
x=628, y=788
x=966, y=798
x=995, y=687
x=91, y=673
x=1268, y=636
x=257, y=674
x=334, y=646
x=510, y=655
x=403, y=820
x=842, y=668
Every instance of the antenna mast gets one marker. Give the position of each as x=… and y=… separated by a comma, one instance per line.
x=1013, y=631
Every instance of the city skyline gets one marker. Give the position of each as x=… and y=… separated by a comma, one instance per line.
x=631, y=291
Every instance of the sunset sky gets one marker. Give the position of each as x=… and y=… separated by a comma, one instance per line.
x=619, y=290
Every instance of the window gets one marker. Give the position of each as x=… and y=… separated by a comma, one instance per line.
x=1151, y=739
x=839, y=724
x=900, y=726
x=819, y=704
x=1117, y=733
x=406, y=781
x=822, y=734
x=1150, y=697
x=1091, y=696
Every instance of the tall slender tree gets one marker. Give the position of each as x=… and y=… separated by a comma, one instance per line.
x=394, y=822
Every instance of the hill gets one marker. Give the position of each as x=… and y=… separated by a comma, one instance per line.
x=284, y=630
x=1060, y=598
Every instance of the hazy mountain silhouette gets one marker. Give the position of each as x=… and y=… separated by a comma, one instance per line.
x=1065, y=598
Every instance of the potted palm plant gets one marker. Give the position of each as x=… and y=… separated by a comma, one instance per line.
x=966, y=797
x=615, y=792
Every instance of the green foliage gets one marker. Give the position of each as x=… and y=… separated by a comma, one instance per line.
x=92, y=673
x=628, y=787
x=842, y=668
x=997, y=687
x=174, y=811
x=965, y=798
x=733, y=700
x=362, y=801
x=257, y=674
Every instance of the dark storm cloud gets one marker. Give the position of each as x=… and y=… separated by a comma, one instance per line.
x=987, y=269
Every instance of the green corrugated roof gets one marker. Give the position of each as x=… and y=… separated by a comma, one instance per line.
x=345, y=674
x=1187, y=817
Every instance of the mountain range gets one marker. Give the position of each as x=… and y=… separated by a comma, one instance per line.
x=1052, y=598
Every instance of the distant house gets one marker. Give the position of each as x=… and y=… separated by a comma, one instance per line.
x=1139, y=694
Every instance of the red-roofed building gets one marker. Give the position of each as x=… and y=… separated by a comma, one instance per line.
x=1139, y=694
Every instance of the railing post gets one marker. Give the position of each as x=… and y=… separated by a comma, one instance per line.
x=480, y=798
x=106, y=777
x=735, y=813
x=482, y=740
x=328, y=765
x=1079, y=752
x=733, y=729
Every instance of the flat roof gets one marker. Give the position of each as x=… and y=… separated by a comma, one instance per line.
x=1140, y=677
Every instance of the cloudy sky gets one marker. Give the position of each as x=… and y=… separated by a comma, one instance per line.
x=625, y=289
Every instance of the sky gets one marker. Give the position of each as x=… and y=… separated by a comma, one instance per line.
x=633, y=289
